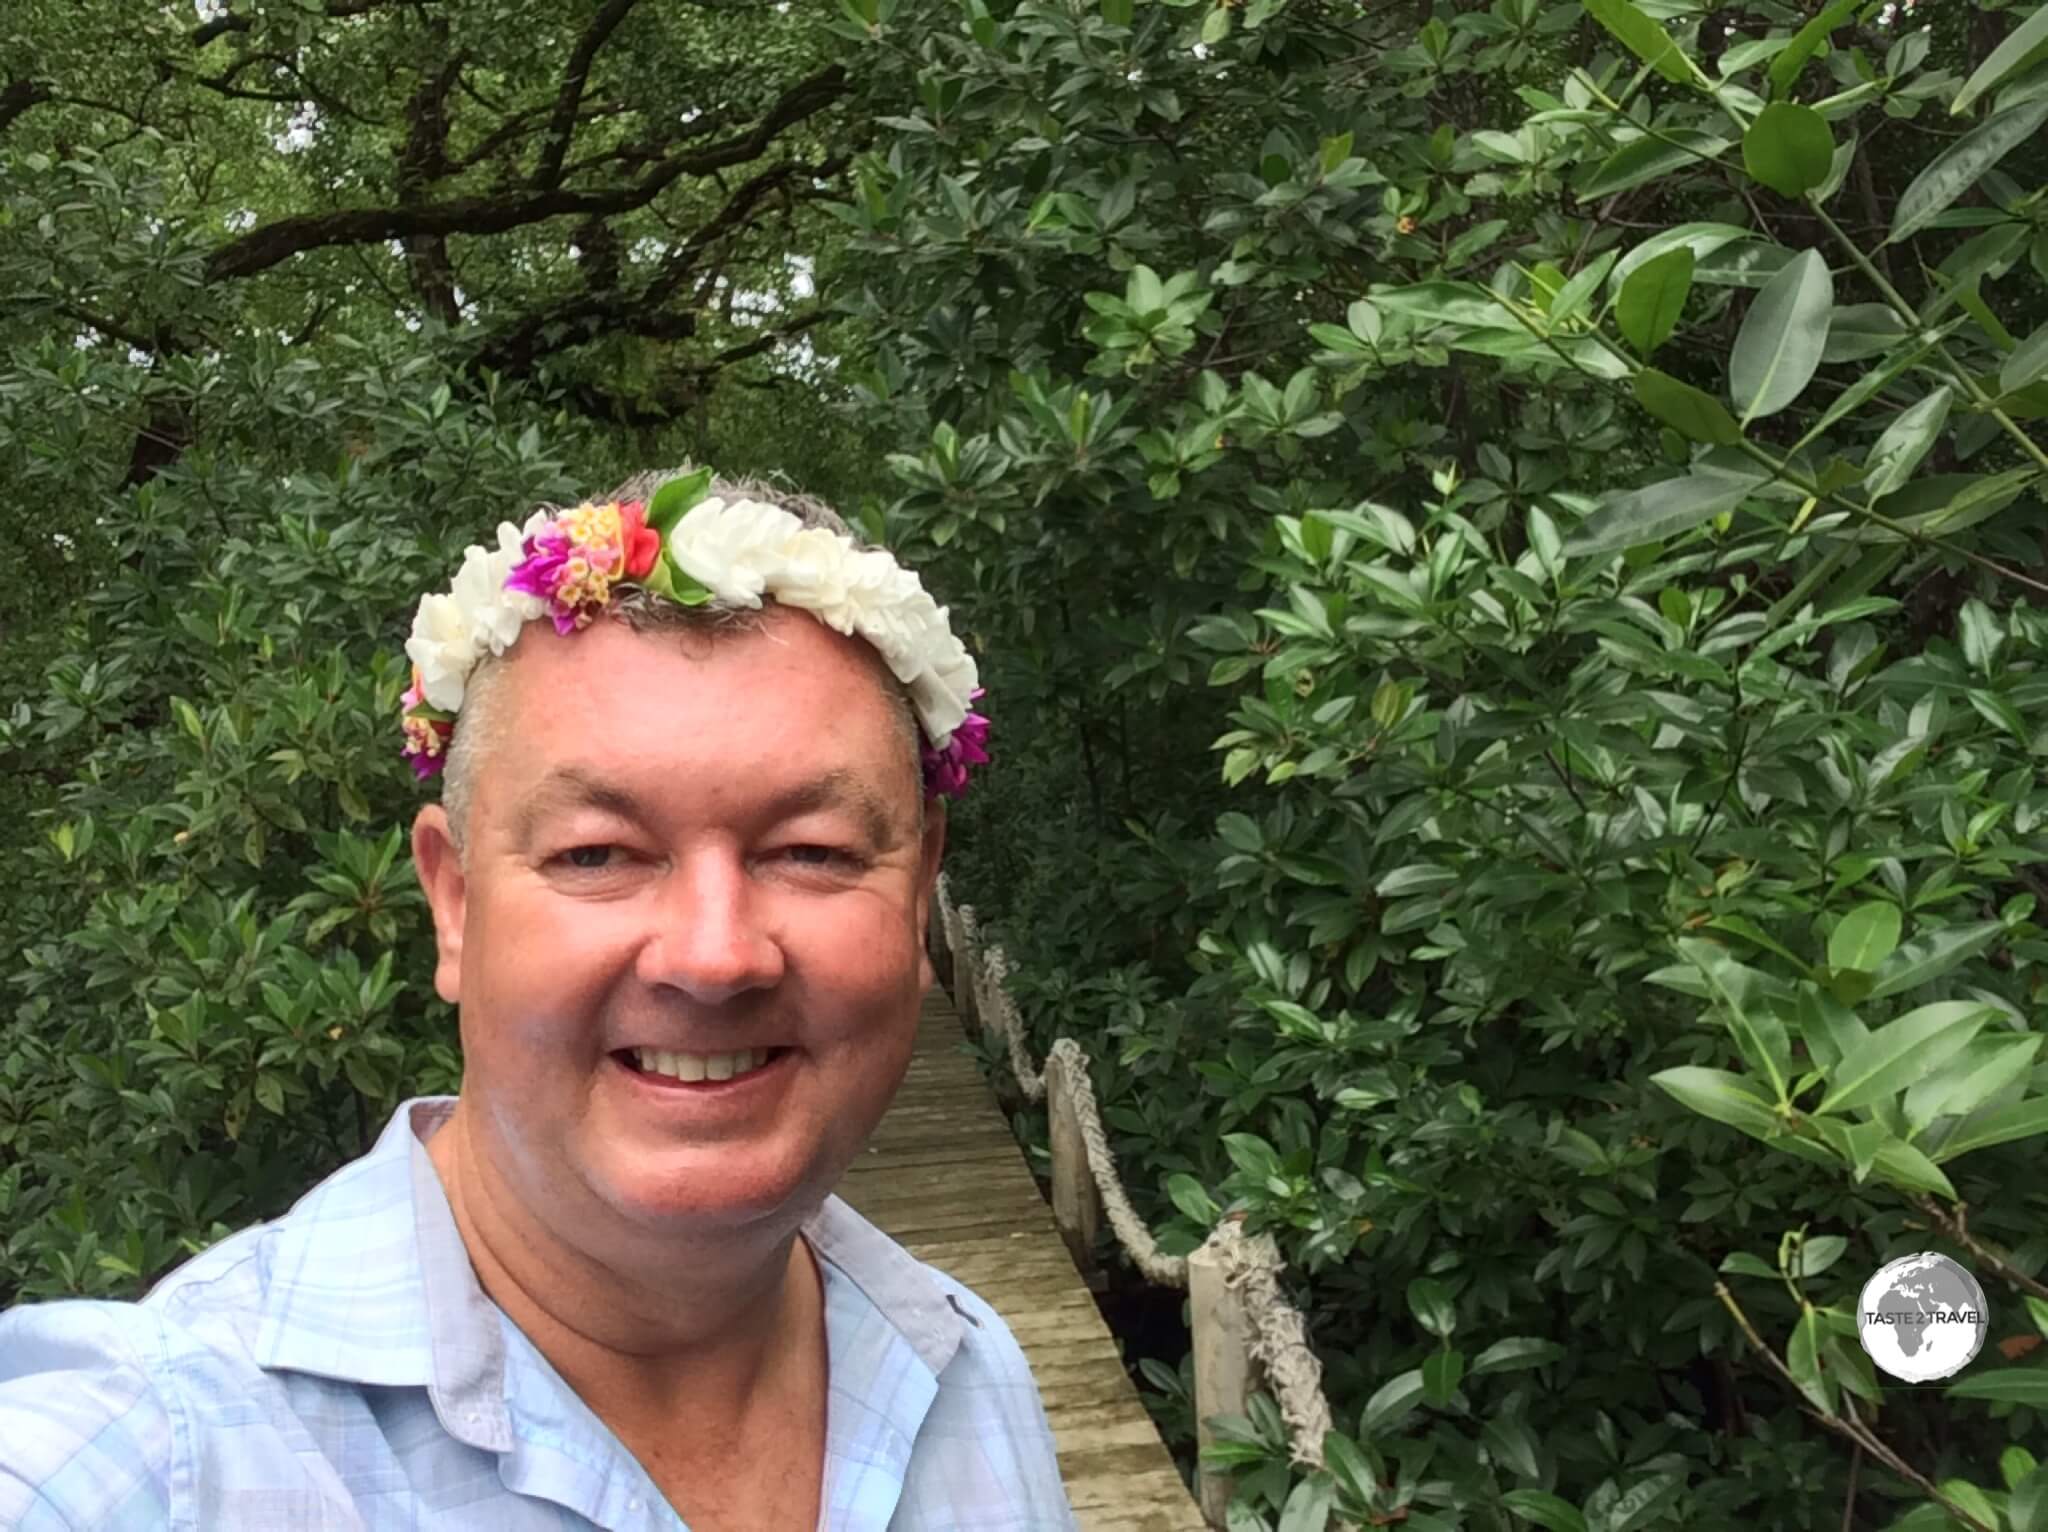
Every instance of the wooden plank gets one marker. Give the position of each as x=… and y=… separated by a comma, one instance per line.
x=944, y=1176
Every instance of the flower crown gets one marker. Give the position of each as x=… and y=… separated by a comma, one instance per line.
x=691, y=547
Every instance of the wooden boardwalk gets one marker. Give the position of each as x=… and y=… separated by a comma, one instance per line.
x=944, y=1177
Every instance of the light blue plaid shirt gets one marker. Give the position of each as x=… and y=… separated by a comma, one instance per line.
x=341, y=1367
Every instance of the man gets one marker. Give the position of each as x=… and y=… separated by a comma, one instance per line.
x=680, y=881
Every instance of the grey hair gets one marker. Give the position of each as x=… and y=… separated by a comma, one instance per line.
x=478, y=732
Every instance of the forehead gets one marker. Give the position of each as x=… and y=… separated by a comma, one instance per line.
x=735, y=717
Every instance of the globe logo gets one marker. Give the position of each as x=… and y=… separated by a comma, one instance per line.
x=1922, y=1317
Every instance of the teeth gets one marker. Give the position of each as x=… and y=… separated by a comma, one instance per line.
x=693, y=1067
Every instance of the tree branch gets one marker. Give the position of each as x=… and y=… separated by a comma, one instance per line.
x=562, y=125
x=337, y=10
x=18, y=97
x=276, y=242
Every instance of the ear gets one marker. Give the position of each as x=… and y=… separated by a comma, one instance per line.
x=932, y=852
x=440, y=871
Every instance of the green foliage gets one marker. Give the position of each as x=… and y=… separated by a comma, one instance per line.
x=1629, y=849
x=295, y=302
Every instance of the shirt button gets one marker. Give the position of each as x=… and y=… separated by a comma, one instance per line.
x=633, y=1505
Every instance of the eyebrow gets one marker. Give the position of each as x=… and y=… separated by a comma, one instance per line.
x=575, y=787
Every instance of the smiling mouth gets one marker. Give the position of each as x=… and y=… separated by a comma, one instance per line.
x=697, y=1068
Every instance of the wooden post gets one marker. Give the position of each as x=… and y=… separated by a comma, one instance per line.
x=1223, y=1365
x=967, y=985
x=1076, y=1203
x=935, y=945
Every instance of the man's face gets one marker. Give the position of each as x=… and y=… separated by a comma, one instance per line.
x=691, y=846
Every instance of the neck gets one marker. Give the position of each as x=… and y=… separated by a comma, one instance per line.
x=641, y=1329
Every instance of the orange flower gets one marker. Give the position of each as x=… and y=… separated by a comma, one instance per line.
x=639, y=542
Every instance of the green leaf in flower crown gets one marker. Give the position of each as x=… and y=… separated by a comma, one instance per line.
x=661, y=578
x=668, y=579
x=674, y=498
x=1789, y=148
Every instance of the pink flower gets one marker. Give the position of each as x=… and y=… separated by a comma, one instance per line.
x=426, y=739
x=945, y=771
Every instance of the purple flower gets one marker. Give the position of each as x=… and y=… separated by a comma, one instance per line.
x=945, y=771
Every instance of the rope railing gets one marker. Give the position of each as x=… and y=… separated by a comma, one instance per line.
x=1243, y=1328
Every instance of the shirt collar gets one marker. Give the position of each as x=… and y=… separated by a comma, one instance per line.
x=370, y=1282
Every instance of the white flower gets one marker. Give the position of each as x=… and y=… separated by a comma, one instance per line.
x=495, y=614
x=444, y=647
x=730, y=548
x=813, y=572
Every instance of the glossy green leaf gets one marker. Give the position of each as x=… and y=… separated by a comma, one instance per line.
x=1899, y=1164
x=1865, y=937
x=1931, y=954
x=1789, y=148
x=1902, y=1051
x=1802, y=1361
x=1391, y=1402
x=1649, y=157
x=1692, y=414
x=1460, y=303
x=1905, y=442
x=1543, y=1509
x=1786, y=66
x=1430, y=1302
x=1652, y=297
x=2021, y=48
x=1990, y=1063
x=1779, y=345
x=1981, y=1130
x=1643, y=37
x=1660, y=510
x=2006, y=1385
x=1726, y=1098
x=1442, y=1371
x=1759, y=1033
x=1308, y=1506
x=1820, y=1252
x=1515, y=1352
x=1513, y=1445
x=2029, y=359
x=1957, y=168
x=2027, y=1508
x=675, y=497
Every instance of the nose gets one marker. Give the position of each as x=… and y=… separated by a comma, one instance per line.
x=709, y=939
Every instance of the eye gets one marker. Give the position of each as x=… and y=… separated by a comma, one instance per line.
x=588, y=858
x=817, y=856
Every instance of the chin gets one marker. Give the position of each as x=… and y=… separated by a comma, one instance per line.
x=716, y=1188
